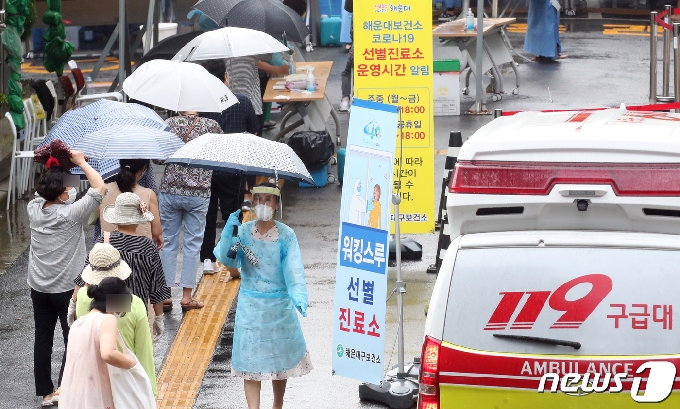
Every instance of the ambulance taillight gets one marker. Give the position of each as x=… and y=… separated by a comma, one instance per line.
x=539, y=178
x=428, y=391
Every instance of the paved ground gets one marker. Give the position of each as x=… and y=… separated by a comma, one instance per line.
x=601, y=71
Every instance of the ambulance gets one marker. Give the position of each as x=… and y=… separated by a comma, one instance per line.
x=561, y=286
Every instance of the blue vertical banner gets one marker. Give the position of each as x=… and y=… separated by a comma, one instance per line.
x=363, y=252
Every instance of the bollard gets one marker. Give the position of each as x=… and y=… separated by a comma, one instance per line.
x=665, y=90
x=676, y=58
x=653, y=41
x=455, y=142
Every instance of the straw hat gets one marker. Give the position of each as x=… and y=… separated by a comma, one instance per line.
x=129, y=209
x=105, y=262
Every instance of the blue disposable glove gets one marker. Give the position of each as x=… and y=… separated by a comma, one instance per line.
x=369, y=206
x=302, y=308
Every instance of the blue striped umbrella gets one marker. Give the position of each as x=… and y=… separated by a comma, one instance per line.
x=129, y=142
x=76, y=123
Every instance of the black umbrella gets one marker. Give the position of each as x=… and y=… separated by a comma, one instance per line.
x=269, y=16
x=167, y=48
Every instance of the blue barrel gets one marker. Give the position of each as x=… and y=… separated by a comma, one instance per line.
x=330, y=30
x=341, y=164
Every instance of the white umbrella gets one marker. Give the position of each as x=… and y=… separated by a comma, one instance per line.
x=178, y=86
x=229, y=42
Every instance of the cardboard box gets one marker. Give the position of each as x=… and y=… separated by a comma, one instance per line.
x=446, y=93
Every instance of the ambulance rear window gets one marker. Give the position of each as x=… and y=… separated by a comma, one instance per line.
x=612, y=301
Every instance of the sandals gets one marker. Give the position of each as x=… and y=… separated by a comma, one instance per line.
x=46, y=403
x=192, y=305
x=167, y=306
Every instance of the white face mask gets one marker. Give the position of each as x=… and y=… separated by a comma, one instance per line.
x=72, y=193
x=263, y=212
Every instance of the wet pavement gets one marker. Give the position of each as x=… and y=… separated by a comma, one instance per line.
x=601, y=70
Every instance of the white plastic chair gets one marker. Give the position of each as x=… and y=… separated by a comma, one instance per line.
x=39, y=125
x=53, y=91
x=19, y=166
x=80, y=99
x=25, y=167
x=29, y=116
x=83, y=100
x=36, y=129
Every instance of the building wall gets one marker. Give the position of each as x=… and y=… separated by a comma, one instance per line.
x=102, y=12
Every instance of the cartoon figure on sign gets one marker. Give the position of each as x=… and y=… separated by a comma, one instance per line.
x=357, y=205
x=372, y=129
x=374, y=209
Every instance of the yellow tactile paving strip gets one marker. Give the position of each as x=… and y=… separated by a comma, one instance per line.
x=638, y=30
x=195, y=342
x=522, y=28
x=36, y=67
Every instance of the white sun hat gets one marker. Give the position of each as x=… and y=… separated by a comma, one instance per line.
x=129, y=209
x=105, y=262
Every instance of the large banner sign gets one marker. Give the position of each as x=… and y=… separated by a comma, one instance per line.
x=393, y=65
x=361, y=277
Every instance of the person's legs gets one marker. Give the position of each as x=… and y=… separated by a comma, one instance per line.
x=346, y=84
x=252, y=389
x=210, y=223
x=279, y=388
x=45, y=319
x=171, y=220
x=60, y=302
x=194, y=211
x=260, y=124
x=231, y=189
x=267, y=110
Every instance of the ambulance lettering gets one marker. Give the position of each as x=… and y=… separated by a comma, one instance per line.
x=575, y=311
x=639, y=117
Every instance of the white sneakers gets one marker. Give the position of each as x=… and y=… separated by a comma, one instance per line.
x=209, y=267
x=344, y=104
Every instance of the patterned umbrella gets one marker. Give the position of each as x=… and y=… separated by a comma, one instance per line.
x=242, y=154
x=75, y=124
x=129, y=142
x=270, y=16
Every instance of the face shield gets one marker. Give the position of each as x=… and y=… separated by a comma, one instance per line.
x=265, y=202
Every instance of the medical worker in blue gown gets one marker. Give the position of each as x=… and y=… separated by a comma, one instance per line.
x=268, y=339
x=543, y=30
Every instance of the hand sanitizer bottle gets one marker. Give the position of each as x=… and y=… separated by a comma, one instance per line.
x=470, y=21
x=311, y=81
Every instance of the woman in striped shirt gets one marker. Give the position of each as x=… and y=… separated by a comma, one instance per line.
x=147, y=280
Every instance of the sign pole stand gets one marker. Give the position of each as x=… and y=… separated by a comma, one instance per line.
x=399, y=389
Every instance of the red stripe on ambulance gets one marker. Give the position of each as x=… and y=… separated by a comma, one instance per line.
x=475, y=368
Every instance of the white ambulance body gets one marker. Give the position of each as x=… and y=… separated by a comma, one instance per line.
x=565, y=258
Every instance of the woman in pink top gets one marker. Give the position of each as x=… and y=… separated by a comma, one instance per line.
x=91, y=346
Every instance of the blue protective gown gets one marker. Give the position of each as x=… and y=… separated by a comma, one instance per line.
x=543, y=30
x=267, y=333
